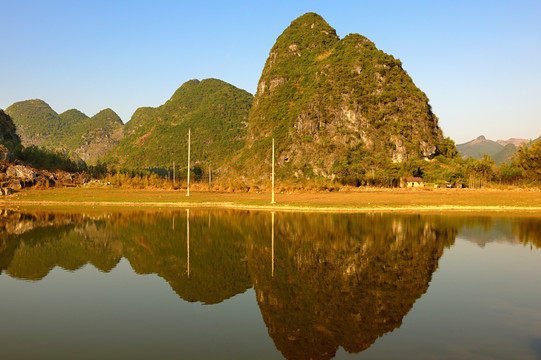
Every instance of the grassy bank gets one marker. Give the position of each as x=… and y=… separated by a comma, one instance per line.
x=363, y=200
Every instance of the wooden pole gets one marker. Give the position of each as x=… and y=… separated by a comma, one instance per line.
x=173, y=173
x=210, y=176
x=272, y=201
x=189, y=140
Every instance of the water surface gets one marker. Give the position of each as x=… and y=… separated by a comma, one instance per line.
x=239, y=284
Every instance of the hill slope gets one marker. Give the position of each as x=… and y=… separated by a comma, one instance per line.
x=93, y=137
x=505, y=154
x=215, y=111
x=37, y=124
x=332, y=103
x=72, y=131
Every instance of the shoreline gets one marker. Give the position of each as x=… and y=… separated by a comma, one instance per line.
x=277, y=208
x=405, y=201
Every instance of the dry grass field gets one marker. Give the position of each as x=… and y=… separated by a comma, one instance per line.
x=362, y=200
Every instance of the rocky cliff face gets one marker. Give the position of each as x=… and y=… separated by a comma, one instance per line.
x=97, y=135
x=326, y=99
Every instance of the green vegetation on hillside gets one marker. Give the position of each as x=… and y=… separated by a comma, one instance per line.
x=45, y=159
x=215, y=111
x=71, y=132
x=34, y=156
x=505, y=154
x=35, y=121
x=72, y=116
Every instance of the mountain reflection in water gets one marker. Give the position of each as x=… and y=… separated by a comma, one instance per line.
x=322, y=281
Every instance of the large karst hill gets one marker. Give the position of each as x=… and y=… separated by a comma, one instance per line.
x=215, y=111
x=335, y=105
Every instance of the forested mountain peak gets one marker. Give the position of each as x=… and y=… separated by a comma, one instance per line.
x=73, y=116
x=215, y=111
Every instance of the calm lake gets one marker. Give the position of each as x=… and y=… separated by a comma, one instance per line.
x=210, y=284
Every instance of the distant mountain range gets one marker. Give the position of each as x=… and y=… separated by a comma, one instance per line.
x=500, y=150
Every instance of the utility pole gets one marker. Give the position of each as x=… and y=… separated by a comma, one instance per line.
x=272, y=201
x=189, y=140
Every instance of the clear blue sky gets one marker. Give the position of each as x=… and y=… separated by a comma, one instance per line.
x=479, y=62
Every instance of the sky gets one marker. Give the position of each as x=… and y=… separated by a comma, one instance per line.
x=479, y=62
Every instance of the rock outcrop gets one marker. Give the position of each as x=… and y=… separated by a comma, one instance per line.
x=5, y=154
x=15, y=177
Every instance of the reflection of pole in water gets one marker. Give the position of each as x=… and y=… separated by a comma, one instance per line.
x=173, y=222
x=272, y=242
x=188, y=241
x=209, y=219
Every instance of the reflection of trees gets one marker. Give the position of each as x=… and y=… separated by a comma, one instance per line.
x=525, y=229
x=39, y=242
x=343, y=280
x=528, y=231
x=43, y=241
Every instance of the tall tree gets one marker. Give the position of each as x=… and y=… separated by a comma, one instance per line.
x=528, y=158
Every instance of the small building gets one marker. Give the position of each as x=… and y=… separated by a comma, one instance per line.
x=413, y=182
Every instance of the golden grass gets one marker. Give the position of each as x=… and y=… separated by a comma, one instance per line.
x=359, y=200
